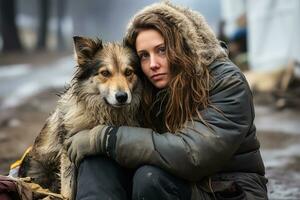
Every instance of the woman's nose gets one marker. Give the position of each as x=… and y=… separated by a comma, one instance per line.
x=153, y=63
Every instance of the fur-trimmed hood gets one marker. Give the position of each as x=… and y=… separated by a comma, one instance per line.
x=197, y=34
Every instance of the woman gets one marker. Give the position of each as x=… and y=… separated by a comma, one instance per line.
x=199, y=140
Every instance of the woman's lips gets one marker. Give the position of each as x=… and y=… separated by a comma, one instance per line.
x=156, y=77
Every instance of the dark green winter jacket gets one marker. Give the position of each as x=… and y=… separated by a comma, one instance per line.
x=229, y=144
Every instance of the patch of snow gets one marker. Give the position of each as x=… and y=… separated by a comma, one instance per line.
x=281, y=191
x=14, y=70
x=14, y=91
x=283, y=184
x=279, y=157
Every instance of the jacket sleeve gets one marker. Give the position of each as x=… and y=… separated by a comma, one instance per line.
x=199, y=149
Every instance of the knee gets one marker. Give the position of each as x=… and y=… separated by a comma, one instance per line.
x=92, y=162
x=150, y=182
x=147, y=179
x=87, y=161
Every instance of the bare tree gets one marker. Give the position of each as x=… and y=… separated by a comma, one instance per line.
x=44, y=10
x=61, y=10
x=9, y=31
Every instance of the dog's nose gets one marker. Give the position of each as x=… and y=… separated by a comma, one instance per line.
x=121, y=97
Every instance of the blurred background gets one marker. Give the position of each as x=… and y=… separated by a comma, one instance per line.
x=262, y=38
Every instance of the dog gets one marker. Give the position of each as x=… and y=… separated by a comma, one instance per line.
x=105, y=89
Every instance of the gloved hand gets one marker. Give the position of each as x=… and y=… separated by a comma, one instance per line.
x=84, y=143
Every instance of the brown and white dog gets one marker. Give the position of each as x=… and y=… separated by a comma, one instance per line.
x=105, y=89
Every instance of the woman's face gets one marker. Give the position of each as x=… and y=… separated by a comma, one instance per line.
x=150, y=46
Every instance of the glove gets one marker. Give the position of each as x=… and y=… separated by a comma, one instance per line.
x=85, y=143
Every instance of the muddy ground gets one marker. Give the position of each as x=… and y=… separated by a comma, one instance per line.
x=19, y=126
x=277, y=130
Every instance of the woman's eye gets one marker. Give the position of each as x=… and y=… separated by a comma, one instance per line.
x=161, y=50
x=105, y=73
x=143, y=56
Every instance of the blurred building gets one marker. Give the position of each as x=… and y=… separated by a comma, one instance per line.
x=272, y=30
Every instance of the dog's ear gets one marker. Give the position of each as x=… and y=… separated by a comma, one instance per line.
x=85, y=48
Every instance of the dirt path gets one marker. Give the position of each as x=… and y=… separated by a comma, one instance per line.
x=19, y=126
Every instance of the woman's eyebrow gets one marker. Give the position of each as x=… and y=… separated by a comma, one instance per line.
x=141, y=51
x=159, y=45
x=156, y=46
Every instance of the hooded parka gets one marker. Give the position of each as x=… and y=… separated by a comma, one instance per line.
x=226, y=148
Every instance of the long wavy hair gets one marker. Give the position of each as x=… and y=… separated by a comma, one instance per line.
x=188, y=90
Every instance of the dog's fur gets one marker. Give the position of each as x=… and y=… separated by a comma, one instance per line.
x=105, y=89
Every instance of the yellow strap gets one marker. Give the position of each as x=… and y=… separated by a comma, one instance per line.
x=19, y=162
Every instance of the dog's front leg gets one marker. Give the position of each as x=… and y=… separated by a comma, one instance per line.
x=68, y=184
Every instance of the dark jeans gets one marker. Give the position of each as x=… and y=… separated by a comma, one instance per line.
x=102, y=178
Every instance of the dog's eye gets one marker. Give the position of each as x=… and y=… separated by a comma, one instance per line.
x=128, y=72
x=105, y=73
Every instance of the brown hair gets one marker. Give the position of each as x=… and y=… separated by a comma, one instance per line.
x=188, y=90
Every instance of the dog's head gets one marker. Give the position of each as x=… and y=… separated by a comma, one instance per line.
x=105, y=72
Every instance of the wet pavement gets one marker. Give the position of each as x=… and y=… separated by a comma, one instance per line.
x=279, y=134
